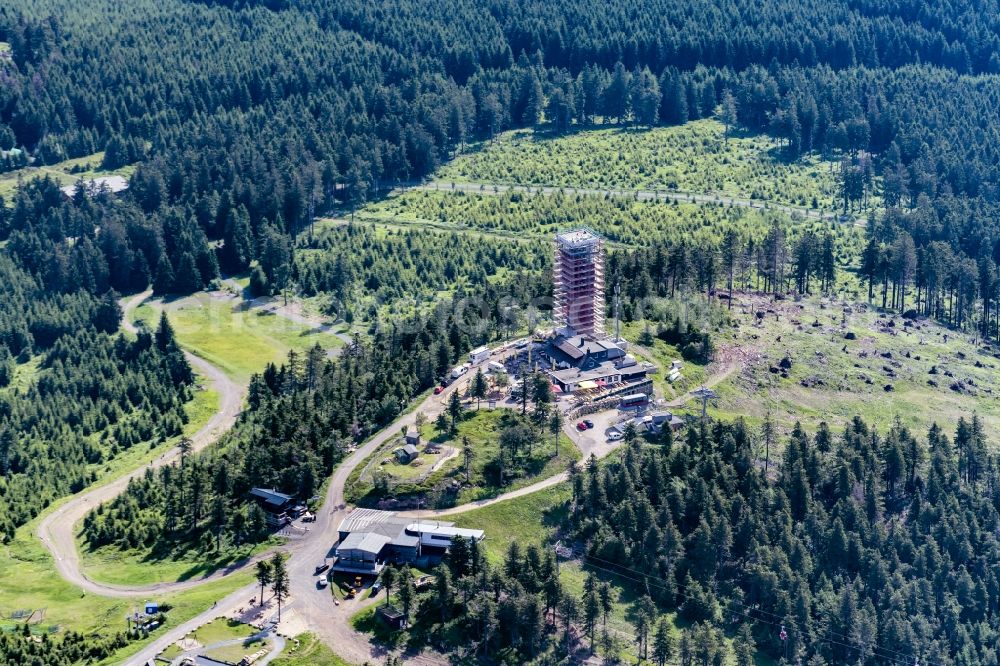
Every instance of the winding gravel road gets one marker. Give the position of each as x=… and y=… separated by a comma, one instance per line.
x=57, y=530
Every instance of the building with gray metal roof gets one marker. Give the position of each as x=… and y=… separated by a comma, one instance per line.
x=370, y=539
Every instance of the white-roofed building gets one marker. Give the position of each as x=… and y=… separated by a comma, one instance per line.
x=441, y=535
x=361, y=552
x=370, y=539
x=479, y=354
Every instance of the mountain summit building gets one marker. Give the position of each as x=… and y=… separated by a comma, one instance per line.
x=578, y=275
x=581, y=359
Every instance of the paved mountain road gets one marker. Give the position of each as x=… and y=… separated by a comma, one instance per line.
x=315, y=606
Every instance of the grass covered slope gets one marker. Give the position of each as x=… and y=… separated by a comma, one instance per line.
x=853, y=361
x=694, y=157
x=239, y=340
x=307, y=650
x=530, y=519
x=110, y=564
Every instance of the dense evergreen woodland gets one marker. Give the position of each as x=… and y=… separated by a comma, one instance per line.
x=857, y=548
x=867, y=548
x=22, y=649
x=355, y=262
x=849, y=548
x=72, y=395
x=245, y=118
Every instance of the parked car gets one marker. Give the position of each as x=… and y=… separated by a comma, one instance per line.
x=581, y=426
x=438, y=390
x=376, y=587
x=588, y=423
x=615, y=435
x=321, y=582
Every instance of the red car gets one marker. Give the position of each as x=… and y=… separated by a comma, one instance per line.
x=438, y=390
x=581, y=426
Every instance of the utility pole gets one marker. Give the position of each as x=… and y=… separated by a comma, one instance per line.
x=530, y=371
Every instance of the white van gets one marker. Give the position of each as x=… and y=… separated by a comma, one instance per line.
x=479, y=354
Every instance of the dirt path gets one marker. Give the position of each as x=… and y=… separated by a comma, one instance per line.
x=641, y=195
x=57, y=530
x=724, y=370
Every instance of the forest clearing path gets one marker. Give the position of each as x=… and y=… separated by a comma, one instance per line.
x=640, y=194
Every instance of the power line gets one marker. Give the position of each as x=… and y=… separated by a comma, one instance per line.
x=893, y=655
x=645, y=580
x=748, y=615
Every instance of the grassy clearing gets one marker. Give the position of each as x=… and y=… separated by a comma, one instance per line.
x=694, y=157
x=64, y=173
x=204, y=403
x=140, y=567
x=232, y=654
x=225, y=629
x=859, y=362
x=222, y=629
x=24, y=374
x=240, y=341
x=482, y=428
x=185, y=606
x=171, y=653
x=307, y=650
x=528, y=519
